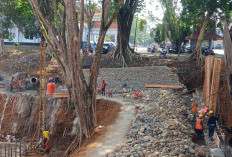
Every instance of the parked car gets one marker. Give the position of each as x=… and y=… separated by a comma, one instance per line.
x=107, y=47
x=84, y=46
x=218, y=46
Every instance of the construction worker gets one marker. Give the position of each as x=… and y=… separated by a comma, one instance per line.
x=199, y=127
x=211, y=123
x=204, y=111
x=103, y=87
x=51, y=86
x=47, y=146
x=11, y=83
x=194, y=108
x=46, y=135
x=20, y=80
x=57, y=79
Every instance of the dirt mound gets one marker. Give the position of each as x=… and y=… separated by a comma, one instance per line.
x=107, y=112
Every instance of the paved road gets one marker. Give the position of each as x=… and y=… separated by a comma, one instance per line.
x=143, y=51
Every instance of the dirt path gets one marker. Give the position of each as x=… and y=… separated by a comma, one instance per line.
x=115, y=134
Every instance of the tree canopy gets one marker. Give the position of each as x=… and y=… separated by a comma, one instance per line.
x=19, y=15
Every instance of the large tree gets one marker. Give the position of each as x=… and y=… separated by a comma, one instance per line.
x=200, y=12
x=124, y=21
x=65, y=39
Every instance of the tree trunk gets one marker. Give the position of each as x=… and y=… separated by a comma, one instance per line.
x=88, y=39
x=197, y=54
x=1, y=45
x=125, y=19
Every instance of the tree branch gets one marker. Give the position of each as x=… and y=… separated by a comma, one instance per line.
x=114, y=15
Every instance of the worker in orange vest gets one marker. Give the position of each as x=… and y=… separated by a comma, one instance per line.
x=204, y=111
x=11, y=83
x=51, y=86
x=199, y=127
x=103, y=87
x=20, y=80
x=194, y=108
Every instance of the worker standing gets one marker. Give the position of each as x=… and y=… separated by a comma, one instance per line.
x=51, y=86
x=211, y=124
x=20, y=80
x=103, y=87
x=46, y=135
x=194, y=108
x=199, y=127
x=11, y=83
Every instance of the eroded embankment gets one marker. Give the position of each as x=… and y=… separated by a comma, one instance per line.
x=19, y=116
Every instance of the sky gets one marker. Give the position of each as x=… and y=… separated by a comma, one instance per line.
x=155, y=8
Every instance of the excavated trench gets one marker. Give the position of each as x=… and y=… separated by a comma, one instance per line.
x=19, y=117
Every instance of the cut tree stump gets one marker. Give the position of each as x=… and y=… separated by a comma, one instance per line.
x=163, y=86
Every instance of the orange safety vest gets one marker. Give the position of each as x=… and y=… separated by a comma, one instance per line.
x=11, y=82
x=199, y=125
x=202, y=112
x=51, y=88
x=103, y=85
x=194, y=108
x=20, y=80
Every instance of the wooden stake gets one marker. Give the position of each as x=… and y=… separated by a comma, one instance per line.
x=209, y=61
x=215, y=84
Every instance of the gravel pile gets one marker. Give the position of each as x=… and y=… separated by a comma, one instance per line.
x=160, y=129
x=134, y=77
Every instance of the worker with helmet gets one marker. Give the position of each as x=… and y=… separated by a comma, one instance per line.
x=211, y=123
x=204, y=111
x=11, y=83
x=194, y=108
x=199, y=126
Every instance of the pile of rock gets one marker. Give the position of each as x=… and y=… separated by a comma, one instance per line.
x=134, y=77
x=160, y=128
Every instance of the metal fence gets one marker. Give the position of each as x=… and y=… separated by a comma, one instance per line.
x=12, y=149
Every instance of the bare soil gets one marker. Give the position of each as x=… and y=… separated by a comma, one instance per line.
x=107, y=112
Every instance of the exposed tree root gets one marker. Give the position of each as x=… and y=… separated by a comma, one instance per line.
x=75, y=143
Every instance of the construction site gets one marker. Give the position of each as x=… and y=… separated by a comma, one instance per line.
x=147, y=110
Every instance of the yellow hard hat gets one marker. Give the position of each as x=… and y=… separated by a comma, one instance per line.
x=211, y=111
x=191, y=99
x=200, y=115
x=61, y=73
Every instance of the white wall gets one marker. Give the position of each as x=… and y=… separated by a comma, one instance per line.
x=19, y=38
x=95, y=35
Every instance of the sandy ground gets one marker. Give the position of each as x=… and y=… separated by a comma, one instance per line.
x=115, y=134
